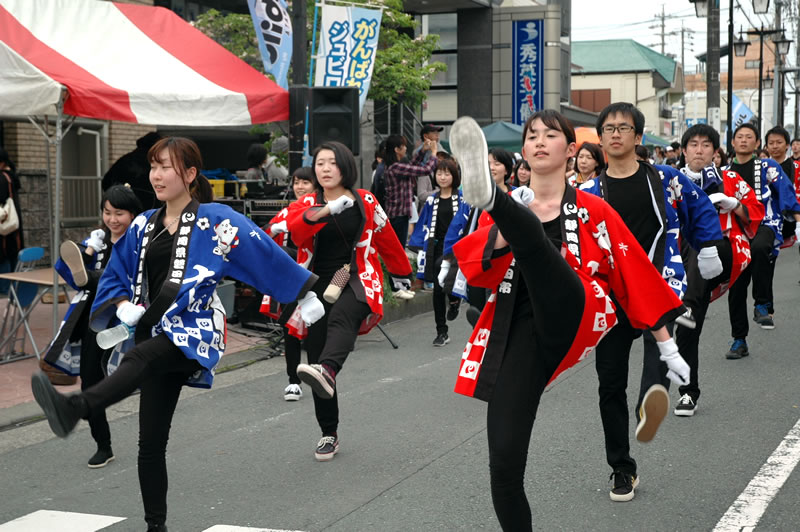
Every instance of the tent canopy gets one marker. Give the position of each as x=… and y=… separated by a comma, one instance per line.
x=500, y=135
x=125, y=62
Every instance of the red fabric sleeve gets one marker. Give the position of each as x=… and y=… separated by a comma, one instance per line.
x=301, y=229
x=754, y=208
x=638, y=287
x=469, y=252
x=393, y=254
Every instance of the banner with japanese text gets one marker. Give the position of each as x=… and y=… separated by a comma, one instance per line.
x=348, y=43
x=274, y=31
x=740, y=112
x=527, y=83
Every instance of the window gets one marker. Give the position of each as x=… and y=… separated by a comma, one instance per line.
x=450, y=77
x=445, y=26
x=751, y=64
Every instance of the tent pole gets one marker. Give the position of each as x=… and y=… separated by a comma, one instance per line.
x=57, y=210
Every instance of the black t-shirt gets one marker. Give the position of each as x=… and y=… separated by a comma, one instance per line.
x=157, y=259
x=630, y=197
x=522, y=304
x=788, y=169
x=444, y=215
x=335, y=242
x=746, y=171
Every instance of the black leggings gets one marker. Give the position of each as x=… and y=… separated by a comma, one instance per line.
x=292, y=348
x=760, y=270
x=441, y=299
x=330, y=341
x=91, y=374
x=159, y=368
x=536, y=346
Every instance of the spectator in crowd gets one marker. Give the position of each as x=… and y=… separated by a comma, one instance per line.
x=12, y=243
x=796, y=149
x=590, y=162
x=522, y=173
x=426, y=183
x=642, y=153
x=133, y=168
x=720, y=159
x=256, y=158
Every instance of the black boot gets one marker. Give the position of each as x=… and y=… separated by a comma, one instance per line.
x=157, y=528
x=63, y=411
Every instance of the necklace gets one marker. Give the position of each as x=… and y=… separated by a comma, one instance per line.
x=166, y=227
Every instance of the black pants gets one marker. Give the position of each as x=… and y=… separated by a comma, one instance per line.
x=760, y=270
x=400, y=226
x=291, y=348
x=330, y=340
x=159, y=369
x=536, y=345
x=441, y=299
x=697, y=299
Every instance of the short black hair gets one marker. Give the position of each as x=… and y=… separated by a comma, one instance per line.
x=121, y=197
x=505, y=158
x=306, y=173
x=701, y=130
x=256, y=154
x=675, y=145
x=642, y=152
x=796, y=139
x=747, y=125
x=344, y=160
x=451, y=165
x=623, y=108
x=553, y=120
x=777, y=130
x=393, y=142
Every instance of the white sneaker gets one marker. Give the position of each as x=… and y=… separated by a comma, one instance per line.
x=404, y=294
x=293, y=392
x=469, y=148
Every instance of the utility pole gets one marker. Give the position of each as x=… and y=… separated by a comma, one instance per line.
x=663, y=29
x=777, y=84
x=796, y=80
x=712, y=67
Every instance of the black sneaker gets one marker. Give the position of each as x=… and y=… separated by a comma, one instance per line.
x=452, y=311
x=762, y=316
x=655, y=405
x=686, y=406
x=624, y=484
x=319, y=378
x=441, y=340
x=327, y=447
x=472, y=315
x=101, y=458
x=72, y=256
x=156, y=528
x=738, y=349
x=62, y=411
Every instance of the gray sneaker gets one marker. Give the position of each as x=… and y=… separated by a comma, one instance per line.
x=469, y=148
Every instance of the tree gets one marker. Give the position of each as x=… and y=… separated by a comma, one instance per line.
x=402, y=72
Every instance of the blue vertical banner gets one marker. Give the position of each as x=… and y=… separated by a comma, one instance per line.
x=348, y=43
x=274, y=32
x=527, y=84
x=740, y=113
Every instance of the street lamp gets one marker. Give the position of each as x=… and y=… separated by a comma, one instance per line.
x=740, y=46
x=761, y=34
x=782, y=45
x=700, y=8
x=767, y=82
x=760, y=7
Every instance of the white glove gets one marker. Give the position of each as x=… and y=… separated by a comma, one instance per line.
x=339, y=204
x=725, y=203
x=708, y=262
x=522, y=195
x=278, y=228
x=797, y=232
x=95, y=240
x=130, y=314
x=443, y=271
x=401, y=283
x=678, y=368
x=311, y=308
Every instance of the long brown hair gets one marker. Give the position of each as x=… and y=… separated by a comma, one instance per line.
x=184, y=154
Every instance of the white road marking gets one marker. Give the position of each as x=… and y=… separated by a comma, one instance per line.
x=61, y=521
x=749, y=507
x=229, y=528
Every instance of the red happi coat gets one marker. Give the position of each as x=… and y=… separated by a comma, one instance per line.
x=605, y=256
x=376, y=237
x=739, y=232
x=269, y=306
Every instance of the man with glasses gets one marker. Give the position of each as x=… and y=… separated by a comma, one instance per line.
x=655, y=208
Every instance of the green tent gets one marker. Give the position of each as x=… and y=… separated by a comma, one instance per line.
x=500, y=135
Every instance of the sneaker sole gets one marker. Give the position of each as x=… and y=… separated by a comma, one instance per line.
x=767, y=327
x=327, y=457
x=315, y=379
x=43, y=393
x=469, y=147
x=98, y=466
x=628, y=496
x=292, y=397
x=442, y=344
x=685, y=413
x=655, y=406
x=72, y=256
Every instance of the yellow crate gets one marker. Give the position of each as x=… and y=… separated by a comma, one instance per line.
x=219, y=187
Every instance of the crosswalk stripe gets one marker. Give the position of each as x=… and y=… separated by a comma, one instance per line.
x=61, y=521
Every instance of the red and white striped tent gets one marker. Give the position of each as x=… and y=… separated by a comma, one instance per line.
x=125, y=62
x=132, y=63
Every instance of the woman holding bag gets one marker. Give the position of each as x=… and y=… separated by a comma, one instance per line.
x=162, y=279
x=11, y=241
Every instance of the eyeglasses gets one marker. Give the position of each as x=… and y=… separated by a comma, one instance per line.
x=622, y=128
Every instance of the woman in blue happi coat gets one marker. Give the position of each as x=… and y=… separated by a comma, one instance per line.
x=161, y=280
x=74, y=350
x=428, y=240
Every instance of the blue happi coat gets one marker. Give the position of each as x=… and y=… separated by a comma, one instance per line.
x=683, y=210
x=775, y=190
x=422, y=239
x=212, y=241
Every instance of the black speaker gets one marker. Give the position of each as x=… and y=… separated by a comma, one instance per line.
x=333, y=115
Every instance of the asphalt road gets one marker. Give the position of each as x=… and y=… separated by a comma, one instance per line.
x=413, y=454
